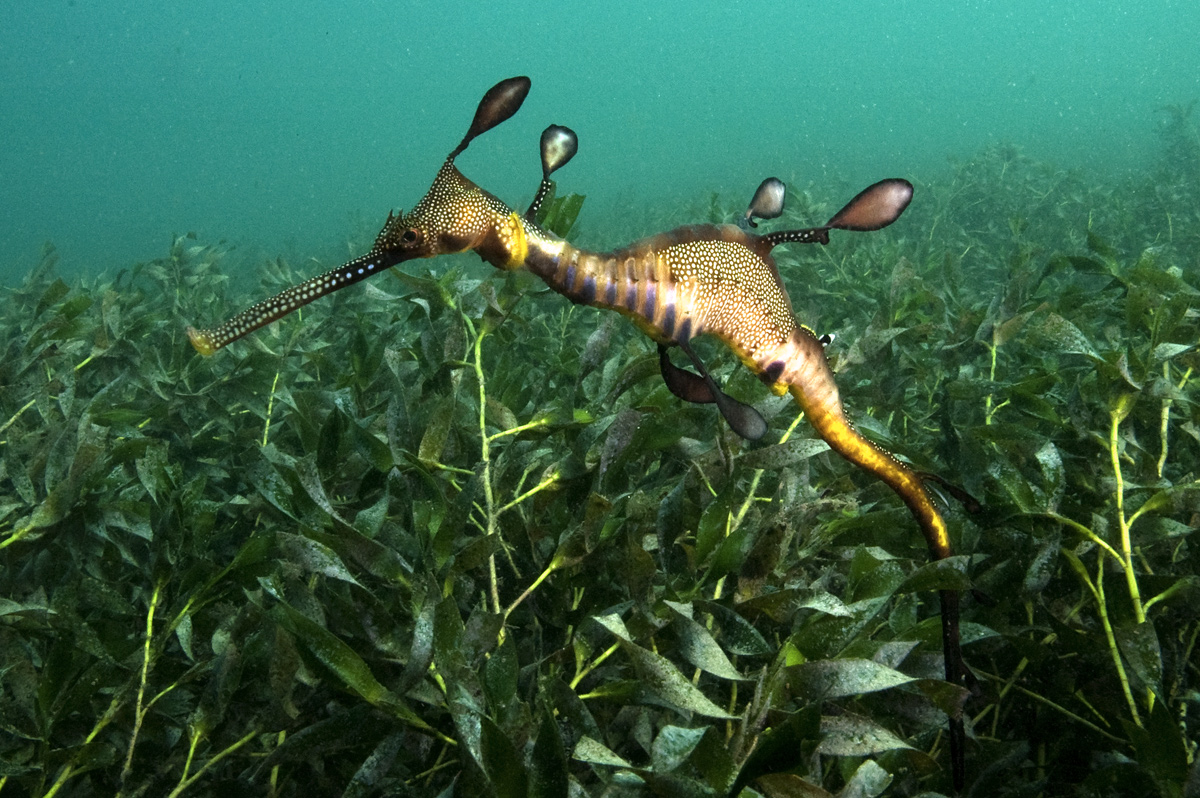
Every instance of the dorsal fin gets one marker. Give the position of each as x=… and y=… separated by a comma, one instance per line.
x=498, y=104
x=873, y=208
x=559, y=145
x=767, y=202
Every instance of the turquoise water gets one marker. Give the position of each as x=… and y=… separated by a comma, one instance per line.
x=285, y=127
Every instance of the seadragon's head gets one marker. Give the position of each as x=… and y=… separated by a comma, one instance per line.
x=454, y=216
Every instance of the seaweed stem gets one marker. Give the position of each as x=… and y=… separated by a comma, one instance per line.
x=270, y=409
x=139, y=713
x=486, y=456
x=1116, y=415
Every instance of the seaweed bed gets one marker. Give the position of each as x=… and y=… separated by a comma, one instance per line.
x=449, y=533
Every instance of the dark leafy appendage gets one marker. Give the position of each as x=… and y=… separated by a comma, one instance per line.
x=449, y=533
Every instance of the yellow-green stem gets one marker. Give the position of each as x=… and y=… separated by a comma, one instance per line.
x=486, y=456
x=139, y=712
x=1126, y=546
x=579, y=677
x=270, y=409
x=1113, y=648
x=185, y=782
x=68, y=770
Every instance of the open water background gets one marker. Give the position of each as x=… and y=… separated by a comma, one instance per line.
x=288, y=127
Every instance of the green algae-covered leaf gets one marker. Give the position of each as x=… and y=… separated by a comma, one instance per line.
x=500, y=675
x=784, y=455
x=341, y=660
x=1056, y=332
x=699, y=648
x=1161, y=749
x=214, y=700
x=827, y=603
x=589, y=750
x=437, y=430
x=660, y=676
x=714, y=524
x=853, y=735
x=945, y=574
x=868, y=781
x=870, y=344
x=314, y=556
x=737, y=635
x=374, y=768
x=673, y=746
x=501, y=762
x=835, y=678
x=548, y=774
x=787, y=734
x=1140, y=647
x=56, y=291
x=376, y=558
x=310, y=479
x=558, y=214
x=331, y=652
x=271, y=487
x=789, y=785
x=1043, y=566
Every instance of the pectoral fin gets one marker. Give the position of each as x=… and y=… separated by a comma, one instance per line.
x=703, y=389
x=684, y=384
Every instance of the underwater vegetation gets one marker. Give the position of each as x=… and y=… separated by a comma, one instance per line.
x=446, y=532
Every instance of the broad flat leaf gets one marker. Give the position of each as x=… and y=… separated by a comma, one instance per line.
x=947, y=574
x=699, y=648
x=437, y=430
x=1139, y=645
x=834, y=678
x=851, y=735
x=713, y=522
x=738, y=636
x=500, y=675
x=826, y=603
x=331, y=652
x=614, y=624
x=660, y=676
x=310, y=480
x=271, y=487
x=588, y=750
x=328, y=649
x=673, y=746
x=420, y=653
x=374, y=769
x=224, y=679
x=869, y=344
x=501, y=761
x=1161, y=749
x=783, y=455
x=548, y=775
x=1167, y=351
x=377, y=558
x=1044, y=564
x=1060, y=334
x=868, y=781
x=314, y=556
x=789, y=785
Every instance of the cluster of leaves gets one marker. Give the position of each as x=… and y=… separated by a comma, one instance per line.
x=447, y=533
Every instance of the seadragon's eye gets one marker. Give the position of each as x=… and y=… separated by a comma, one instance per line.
x=410, y=237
